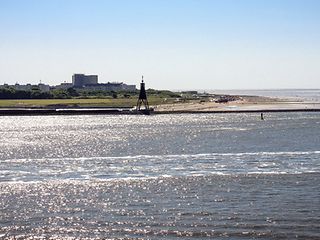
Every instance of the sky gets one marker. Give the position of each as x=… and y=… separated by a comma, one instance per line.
x=175, y=44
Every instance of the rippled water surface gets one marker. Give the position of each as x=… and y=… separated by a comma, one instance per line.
x=154, y=177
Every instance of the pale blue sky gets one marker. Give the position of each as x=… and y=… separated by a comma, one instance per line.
x=175, y=44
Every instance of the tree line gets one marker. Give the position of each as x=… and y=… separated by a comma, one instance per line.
x=11, y=93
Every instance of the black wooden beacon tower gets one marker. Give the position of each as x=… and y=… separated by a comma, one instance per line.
x=142, y=98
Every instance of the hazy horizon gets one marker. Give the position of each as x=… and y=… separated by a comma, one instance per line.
x=180, y=44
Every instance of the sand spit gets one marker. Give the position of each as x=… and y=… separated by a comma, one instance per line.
x=244, y=103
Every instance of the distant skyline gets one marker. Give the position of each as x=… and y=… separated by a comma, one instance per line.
x=175, y=44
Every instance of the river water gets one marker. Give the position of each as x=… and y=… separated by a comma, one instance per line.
x=185, y=176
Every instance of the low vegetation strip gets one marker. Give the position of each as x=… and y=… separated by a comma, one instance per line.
x=11, y=98
x=90, y=102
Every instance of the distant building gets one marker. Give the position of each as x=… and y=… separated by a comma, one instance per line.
x=111, y=87
x=43, y=87
x=27, y=87
x=80, y=80
x=90, y=82
x=64, y=86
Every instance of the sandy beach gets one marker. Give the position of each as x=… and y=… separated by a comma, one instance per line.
x=245, y=103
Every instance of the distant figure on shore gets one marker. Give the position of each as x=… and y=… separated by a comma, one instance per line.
x=262, y=118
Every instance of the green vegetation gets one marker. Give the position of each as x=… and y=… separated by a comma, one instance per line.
x=80, y=102
x=66, y=103
x=11, y=93
x=81, y=98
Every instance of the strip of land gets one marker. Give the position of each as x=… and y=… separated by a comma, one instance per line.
x=220, y=104
x=243, y=104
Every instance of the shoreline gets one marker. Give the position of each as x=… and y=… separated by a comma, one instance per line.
x=94, y=111
x=245, y=104
x=242, y=104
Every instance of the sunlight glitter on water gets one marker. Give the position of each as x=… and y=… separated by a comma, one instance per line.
x=144, y=166
x=138, y=177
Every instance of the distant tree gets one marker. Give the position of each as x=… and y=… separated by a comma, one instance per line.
x=60, y=94
x=20, y=94
x=11, y=93
x=114, y=94
x=72, y=92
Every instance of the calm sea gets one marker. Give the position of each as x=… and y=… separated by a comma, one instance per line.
x=160, y=177
x=312, y=95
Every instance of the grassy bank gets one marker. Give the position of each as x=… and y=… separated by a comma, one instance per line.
x=90, y=102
